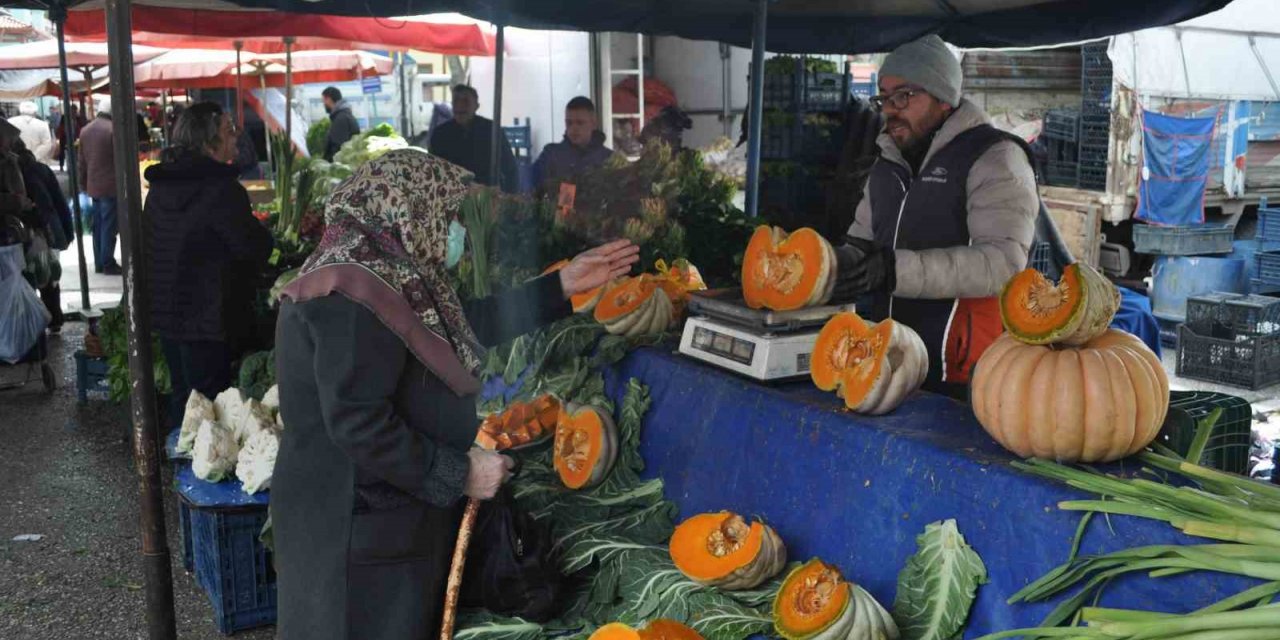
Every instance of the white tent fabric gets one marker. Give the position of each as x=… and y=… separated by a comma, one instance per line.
x=1231, y=54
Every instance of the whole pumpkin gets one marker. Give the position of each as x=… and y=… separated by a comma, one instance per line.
x=1098, y=402
x=815, y=602
x=873, y=366
x=723, y=550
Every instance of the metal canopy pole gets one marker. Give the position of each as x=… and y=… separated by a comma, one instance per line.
x=756, y=108
x=239, y=44
x=59, y=15
x=496, y=138
x=288, y=97
x=157, y=571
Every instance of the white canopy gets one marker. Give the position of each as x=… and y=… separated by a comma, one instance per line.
x=1231, y=54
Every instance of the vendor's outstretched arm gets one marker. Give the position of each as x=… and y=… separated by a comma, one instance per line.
x=515, y=312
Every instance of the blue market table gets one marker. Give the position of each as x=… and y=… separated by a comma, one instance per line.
x=857, y=490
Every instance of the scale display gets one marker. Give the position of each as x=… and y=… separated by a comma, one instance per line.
x=763, y=357
x=724, y=345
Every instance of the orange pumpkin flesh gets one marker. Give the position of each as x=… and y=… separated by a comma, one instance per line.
x=582, y=302
x=1076, y=309
x=812, y=598
x=624, y=298
x=849, y=354
x=711, y=546
x=663, y=629
x=520, y=424
x=785, y=272
x=615, y=631
x=586, y=444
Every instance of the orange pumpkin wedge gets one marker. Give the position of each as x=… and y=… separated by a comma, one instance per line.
x=815, y=602
x=582, y=302
x=874, y=367
x=615, y=631
x=520, y=424
x=722, y=550
x=664, y=629
x=635, y=306
x=1073, y=311
x=586, y=446
x=782, y=271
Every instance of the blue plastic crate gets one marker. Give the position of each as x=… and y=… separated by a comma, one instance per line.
x=91, y=378
x=1268, y=224
x=233, y=567
x=1268, y=267
x=1190, y=240
x=184, y=531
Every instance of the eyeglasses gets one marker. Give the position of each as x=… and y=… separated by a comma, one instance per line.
x=898, y=99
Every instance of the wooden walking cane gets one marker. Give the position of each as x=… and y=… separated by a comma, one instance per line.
x=454, y=586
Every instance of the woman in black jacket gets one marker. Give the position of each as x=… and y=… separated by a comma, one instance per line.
x=204, y=250
x=377, y=363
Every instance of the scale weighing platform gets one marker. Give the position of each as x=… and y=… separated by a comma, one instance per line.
x=761, y=344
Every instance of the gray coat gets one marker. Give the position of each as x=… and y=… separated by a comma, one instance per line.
x=1003, y=203
x=365, y=499
x=342, y=127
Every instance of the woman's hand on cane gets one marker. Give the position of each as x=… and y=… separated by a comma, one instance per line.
x=594, y=268
x=488, y=472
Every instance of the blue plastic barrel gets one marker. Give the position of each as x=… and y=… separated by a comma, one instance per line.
x=1175, y=278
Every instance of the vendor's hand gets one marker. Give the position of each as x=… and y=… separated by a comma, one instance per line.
x=862, y=268
x=488, y=472
x=591, y=269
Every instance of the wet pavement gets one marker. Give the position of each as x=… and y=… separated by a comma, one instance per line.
x=67, y=475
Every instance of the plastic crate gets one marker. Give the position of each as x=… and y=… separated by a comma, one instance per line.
x=233, y=567
x=1168, y=332
x=184, y=532
x=91, y=378
x=1061, y=174
x=1062, y=124
x=1092, y=177
x=1247, y=362
x=1095, y=134
x=1192, y=240
x=1228, y=446
x=1064, y=151
x=1093, y=155
x=1268, y=268
x=808, y=91
x=1039, y=257
x=1268, y=224
x=1228, y=314
x=814, y=142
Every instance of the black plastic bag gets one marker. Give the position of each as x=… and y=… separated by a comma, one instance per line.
x=510, y=569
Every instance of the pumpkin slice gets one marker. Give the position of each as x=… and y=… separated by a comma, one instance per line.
x=618, y=307
x=586, y=446
x=522, y=423
x=785, y=272
x=1075, y=310
x=582, y=302
x=873, y=367
x=722, y=550
x=615, y=631
x=663, y=314
x=664, y=629
x=816, y=603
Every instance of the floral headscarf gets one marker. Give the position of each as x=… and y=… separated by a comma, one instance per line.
x=384, y=247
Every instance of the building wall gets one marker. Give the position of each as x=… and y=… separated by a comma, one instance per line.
x=692, y=68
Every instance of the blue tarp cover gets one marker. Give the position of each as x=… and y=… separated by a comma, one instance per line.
x=857, y=490
x=1135, y=316
x=1176, y=159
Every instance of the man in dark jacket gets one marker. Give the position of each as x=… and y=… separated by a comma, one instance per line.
x=467, y=139
x=342, y=124
x=204, y=252
x=97, y=169
x=582, y=148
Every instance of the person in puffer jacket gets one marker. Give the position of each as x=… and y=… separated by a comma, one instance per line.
x=947, y=217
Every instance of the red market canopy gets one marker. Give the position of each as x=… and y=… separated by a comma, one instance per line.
x=203, y=69
x=44, y=55
x=262, y=31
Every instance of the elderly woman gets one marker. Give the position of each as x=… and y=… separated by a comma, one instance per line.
x=377, y=364
x=204, y=250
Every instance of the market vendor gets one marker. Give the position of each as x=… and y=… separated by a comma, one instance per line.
x=581, y=150
x=947, y=216
x=377, y=362
x=467, y=141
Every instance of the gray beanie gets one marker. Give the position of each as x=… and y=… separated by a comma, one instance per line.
x=927, y=62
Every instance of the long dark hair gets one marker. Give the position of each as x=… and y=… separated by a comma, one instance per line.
x=197, y=131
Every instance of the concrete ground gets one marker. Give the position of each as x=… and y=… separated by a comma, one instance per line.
x=67, y=476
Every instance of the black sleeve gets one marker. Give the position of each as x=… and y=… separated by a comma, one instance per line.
x=358, y=363
x=510, y=177
x=59, y=202
x=246, y=239
x=518, y=311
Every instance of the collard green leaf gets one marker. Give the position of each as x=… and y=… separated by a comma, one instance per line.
x=478, y=624
x=720, y=618
x=937, y=586
x=517, y=361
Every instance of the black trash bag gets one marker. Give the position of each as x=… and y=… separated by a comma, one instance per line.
x=510, y=569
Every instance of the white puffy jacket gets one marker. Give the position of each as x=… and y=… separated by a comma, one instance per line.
x=35, y=135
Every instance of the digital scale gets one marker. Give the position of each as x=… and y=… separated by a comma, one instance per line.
x=762, y=344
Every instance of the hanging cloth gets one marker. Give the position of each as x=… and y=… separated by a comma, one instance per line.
x=1176, y=155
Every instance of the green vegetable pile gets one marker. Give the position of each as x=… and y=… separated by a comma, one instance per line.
x=257, y=373
x=1241, y=514
x=369, y=145
x=115, y=346
x=318, y=137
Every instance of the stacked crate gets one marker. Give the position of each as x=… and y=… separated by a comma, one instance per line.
x=1095, y=116
x=1266, y=272
x=1231, y=339
x=800, y=142
x=1062, y=142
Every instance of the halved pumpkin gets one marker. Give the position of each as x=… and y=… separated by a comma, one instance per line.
x=874, y=367
x=635, y=306
x=722, y=550
x=783, y=271
x=816, y=603
x=586, y=446
x=1073, y=311
x=615, y=631
x=664, y=629
x=582, y=302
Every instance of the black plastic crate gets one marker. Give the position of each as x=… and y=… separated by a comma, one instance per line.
x=1062, y=124
x=800, y=192
x=783, y=140
x=1040, y=257
x=1092, y=177
x=1093, y=155
x=1168, y=332
x=1188, y=240
x=1061, y=174
x=1062, y=151
x=807, y=91
x=233, y=567
x=1092, y=134
x=1226, y=314
x=1228, y=446
x=1247, y=362
x=91, y=378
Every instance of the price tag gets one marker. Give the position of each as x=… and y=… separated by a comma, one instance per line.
x=564, y=202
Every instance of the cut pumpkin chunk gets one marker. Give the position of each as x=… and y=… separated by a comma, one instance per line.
x=783, y=272
x=816, y=603
x=586, y=446
x=873, y=367
x=1072, y=311
x=723, y=550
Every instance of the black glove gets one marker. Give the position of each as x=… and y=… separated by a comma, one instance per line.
x=862, y=268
